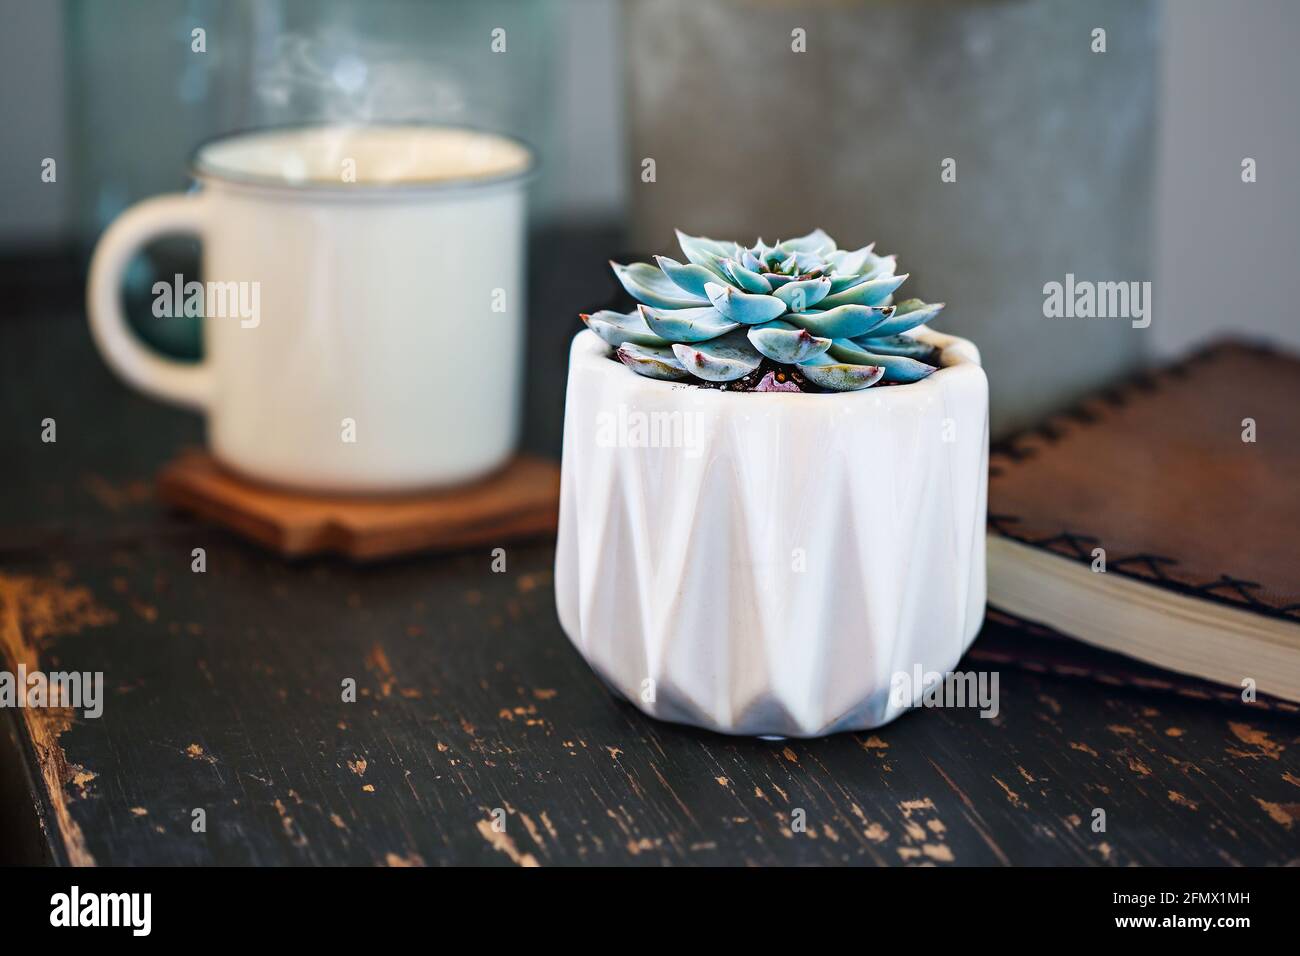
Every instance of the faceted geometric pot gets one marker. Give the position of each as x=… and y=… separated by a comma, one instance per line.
x=764, y=563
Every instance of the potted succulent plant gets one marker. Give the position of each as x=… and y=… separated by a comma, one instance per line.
x=766, y=563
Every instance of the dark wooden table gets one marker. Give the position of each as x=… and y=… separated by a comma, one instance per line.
x=223, y=690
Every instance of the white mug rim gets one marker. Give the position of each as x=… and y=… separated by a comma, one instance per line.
x=207, y=172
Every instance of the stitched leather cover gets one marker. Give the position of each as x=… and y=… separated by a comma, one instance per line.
x=1157, y=473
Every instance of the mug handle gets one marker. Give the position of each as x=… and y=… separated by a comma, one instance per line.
x=181, y=383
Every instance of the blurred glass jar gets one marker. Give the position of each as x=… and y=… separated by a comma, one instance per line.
x=145, y=89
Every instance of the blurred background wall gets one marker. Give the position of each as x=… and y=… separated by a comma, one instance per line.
x=1133, y=161
x=1226, y=250
x=1050, y=147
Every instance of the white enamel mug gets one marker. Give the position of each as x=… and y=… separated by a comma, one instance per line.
x=363, y=292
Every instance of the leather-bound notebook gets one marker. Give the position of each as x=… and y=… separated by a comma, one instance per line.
x=1160, y=519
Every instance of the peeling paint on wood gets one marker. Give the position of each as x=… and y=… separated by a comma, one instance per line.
x=223, y=693
x=33, y=613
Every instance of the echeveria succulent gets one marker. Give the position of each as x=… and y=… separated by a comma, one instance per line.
x=801, y=315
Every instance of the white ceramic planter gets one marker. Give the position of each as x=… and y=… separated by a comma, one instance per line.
x=765, y=563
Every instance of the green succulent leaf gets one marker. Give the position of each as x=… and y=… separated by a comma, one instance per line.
x=840, y=376
x=687, y=325
x=727, y=311
x=744, y=307
x=903, y=345
x=618, y=327
x=870, y=292
x=842, y=322
x=806, y=263
x=647, y=284
x=876, y=267
x=747, y=278
x=651, y=362
x=723, y=359
x=689, y=278
x=908, y=315
x=786, y=343
x=722, y=249
x=706, y=252
x=816, y=241
x=850, y=262
x=775, y=256
x=804, y=294
x=897, y=368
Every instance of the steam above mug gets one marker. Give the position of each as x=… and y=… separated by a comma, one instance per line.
x=347, y=273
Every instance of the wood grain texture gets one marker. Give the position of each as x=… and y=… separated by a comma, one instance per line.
x=225, y=695
x=519, y=501
x=224, y=692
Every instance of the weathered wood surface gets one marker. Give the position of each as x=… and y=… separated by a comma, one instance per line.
x=223, y=693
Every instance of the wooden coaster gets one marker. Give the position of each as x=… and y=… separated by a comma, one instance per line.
x=521, y=500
